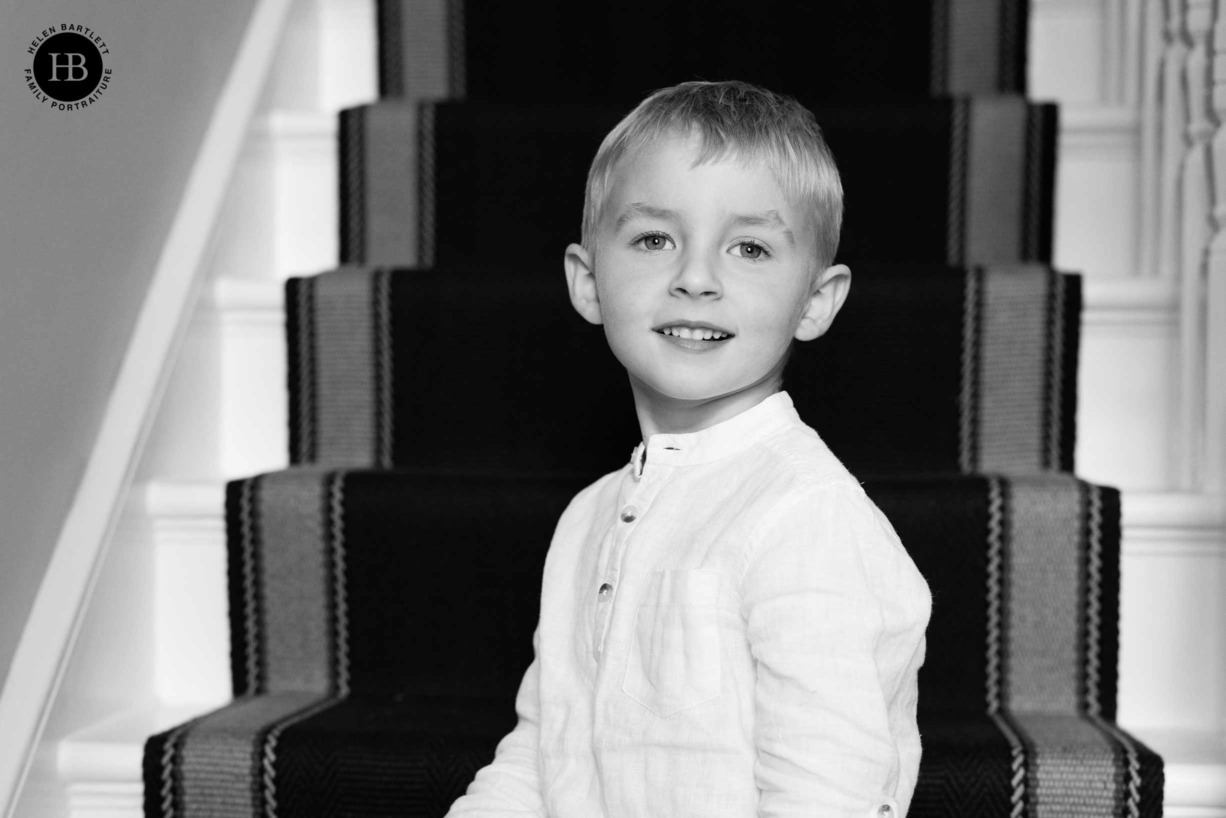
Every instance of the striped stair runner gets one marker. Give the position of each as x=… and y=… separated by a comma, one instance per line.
x=959, y=181
x=384, y=588
x=973, y=370
x=378, y=641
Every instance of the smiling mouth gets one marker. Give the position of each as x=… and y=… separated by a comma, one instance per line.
x=696, y=333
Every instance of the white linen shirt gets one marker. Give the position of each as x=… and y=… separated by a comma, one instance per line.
x=729, y=627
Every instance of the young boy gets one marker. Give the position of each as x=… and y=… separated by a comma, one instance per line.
x=728, y=626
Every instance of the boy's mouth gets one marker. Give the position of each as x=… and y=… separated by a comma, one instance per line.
x=694, y=332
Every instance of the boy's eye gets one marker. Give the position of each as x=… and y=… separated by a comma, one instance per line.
x=653, y=241
x=753, y=251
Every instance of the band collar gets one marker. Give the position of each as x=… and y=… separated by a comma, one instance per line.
x=726, y=438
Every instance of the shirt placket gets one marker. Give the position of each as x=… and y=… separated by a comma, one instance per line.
x=617, y=544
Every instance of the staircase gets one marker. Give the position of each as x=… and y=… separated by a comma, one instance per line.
x=226, y=418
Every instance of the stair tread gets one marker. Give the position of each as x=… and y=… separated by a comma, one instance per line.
x=109, y=752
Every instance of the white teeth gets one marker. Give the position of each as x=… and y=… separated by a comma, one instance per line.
x=691, y=334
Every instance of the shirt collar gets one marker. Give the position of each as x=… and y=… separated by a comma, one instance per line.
x=736, y=434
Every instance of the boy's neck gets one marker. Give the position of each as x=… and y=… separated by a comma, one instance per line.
x=659, y=414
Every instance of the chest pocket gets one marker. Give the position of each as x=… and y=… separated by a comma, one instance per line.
x=674, y=656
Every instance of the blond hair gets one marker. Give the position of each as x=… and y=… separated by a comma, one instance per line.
x=735, y=118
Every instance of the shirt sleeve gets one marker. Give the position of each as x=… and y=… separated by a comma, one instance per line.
x=510, y=785
x=835, y=613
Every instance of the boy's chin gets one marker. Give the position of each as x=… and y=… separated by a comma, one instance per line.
x=691, y=393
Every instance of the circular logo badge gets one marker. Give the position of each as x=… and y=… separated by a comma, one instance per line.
x=68, y=67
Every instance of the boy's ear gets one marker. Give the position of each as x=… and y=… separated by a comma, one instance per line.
x=581, y=283
x=830, y=290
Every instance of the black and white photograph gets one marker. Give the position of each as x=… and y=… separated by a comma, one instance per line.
x=639, y=409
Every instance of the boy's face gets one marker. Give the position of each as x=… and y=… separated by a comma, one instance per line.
x=704, y=276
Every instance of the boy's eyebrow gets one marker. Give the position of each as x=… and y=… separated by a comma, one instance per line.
x=768, y=218
x=643, y=209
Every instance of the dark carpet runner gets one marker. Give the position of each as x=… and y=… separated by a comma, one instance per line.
x=857, y=49
x=959, y=181
x=927, y=369
x=382, y=687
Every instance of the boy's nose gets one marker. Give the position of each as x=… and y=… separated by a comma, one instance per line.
x=696, y=278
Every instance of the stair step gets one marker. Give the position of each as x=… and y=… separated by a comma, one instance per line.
x=312, y=540
x=103, y=764
x=444, y=48
x=435, y=181
x=972, y=370
x=1129, y=335
x=1170, y=542
x=1195, y=771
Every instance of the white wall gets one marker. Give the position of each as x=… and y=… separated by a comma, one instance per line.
x=86, y=198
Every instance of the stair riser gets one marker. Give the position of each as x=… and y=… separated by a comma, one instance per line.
x=191, y=642
x=1128, y=421
x=228, y=388
x=304, y=176
x=1097, y=195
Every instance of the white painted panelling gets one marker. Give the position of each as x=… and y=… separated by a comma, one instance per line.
x=327, y=61
x=1127, y=384
x=1066, y=50
x=103, y=762
x=247, y=321
x=303, y=156
x=1173, y=612
x=1195, y=769
x=348, y=73
x=1096, y=191
x=228, y=388
x=191, y=639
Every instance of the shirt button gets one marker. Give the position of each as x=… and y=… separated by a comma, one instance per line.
x=884, y=811
x=605, y=590
x=629, y=514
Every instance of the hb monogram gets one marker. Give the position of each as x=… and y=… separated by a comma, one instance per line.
x=71, y=65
